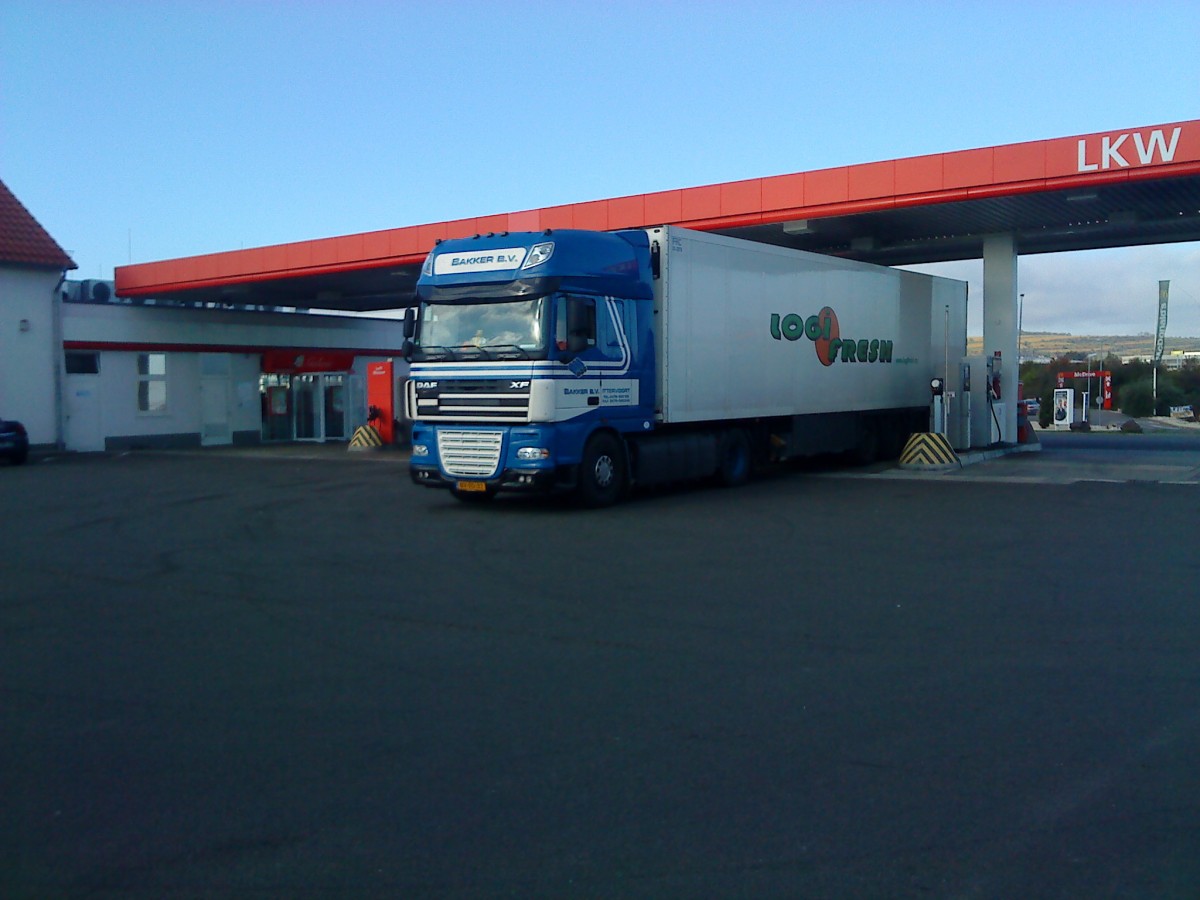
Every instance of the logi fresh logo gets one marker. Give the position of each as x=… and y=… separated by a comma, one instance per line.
x=825, y=333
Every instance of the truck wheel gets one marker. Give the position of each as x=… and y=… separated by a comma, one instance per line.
x=601, y=472
x=734, y=467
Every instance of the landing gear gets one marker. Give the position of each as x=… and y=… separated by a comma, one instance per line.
x=735, y=463
x=866, y=451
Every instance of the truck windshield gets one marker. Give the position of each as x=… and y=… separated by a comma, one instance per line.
x=485, y=329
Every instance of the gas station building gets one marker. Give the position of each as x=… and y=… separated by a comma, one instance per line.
x=205, y=349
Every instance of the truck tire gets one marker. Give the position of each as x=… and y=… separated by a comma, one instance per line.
x=602, y=474
x=734, y=466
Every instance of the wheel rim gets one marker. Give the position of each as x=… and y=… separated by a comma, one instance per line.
x=604, y=471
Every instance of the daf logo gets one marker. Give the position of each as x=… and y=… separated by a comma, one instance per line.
x=518, y=385
x=426, y=385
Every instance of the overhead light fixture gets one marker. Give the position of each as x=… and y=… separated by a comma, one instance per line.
x=800, y=226
x=1083, y=198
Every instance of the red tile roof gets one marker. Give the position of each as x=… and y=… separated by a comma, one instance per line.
x=25, y=242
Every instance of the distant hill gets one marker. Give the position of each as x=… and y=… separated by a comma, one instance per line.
x=1045, y=344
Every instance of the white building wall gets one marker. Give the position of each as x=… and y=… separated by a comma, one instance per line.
x=28, y=351
x=102, y=410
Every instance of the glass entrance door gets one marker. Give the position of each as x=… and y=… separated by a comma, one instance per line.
x=308, y=418
x=305, y=407
x=334, y=391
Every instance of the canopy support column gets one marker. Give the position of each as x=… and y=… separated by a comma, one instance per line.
x=1000, y=319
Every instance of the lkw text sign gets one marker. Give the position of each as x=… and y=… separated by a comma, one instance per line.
x=1130, y=148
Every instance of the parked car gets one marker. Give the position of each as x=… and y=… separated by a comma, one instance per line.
x=1032, y=408
x=14, y=441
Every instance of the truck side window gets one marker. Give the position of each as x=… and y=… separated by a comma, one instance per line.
x=575, y=328
x=629, y=311
x=608, y=329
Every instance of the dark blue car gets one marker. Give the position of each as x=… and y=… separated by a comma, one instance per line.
x=14, y=441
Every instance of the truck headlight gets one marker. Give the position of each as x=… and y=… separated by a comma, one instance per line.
x=420, y=450
x=528, y=453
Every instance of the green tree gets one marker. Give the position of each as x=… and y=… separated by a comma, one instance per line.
x=1036, y=379
x=1168, y=394
x=1137, y=398
x=1188, y=381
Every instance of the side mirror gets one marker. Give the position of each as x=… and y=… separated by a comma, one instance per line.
x=410, y=322
x=406, y=349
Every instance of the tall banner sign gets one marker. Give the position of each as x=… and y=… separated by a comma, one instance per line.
x=1160, y=337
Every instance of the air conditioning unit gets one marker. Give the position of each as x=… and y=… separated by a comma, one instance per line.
x=94, y=290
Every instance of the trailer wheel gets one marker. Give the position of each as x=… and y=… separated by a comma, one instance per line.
x=734, y=467
x=602, y=473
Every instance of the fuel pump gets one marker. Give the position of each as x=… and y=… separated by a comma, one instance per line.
x=961, y=438
x=995, y=371
x=937, y=408
x=985, y=408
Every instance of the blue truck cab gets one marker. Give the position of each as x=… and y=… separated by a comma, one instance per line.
x=531, y=359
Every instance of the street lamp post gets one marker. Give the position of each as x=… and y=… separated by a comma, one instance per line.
x=1020, y=317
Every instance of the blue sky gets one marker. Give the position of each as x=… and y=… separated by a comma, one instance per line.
x=138, y=131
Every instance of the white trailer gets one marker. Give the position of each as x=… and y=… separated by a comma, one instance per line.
x=736, y=339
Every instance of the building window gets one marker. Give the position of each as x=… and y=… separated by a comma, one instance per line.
x=82, y=362
x=152, y=383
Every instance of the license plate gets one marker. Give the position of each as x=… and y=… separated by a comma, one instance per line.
x=471, y=486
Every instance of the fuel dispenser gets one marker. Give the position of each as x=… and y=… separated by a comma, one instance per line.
x=985, y=405
x=958, y=413
x=937, y=407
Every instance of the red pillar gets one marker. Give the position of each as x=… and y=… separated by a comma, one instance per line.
x=380, y=397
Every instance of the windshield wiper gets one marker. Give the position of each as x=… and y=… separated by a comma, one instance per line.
x=433, y=351
x=508, y=351
x=470, y=351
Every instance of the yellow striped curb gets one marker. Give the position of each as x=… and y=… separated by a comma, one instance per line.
x=929, y=452
x=366, y=438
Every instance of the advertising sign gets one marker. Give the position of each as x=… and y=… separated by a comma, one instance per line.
x=501, y=260
x=1064, y=407
x=1160, y=336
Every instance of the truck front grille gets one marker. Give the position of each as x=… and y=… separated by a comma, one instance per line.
x=470, y=454
x=470, y=400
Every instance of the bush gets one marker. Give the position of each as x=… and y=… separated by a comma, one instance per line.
x=1046, y=410
x=1137, y=398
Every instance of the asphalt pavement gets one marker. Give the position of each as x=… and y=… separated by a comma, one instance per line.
x=240, y=674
